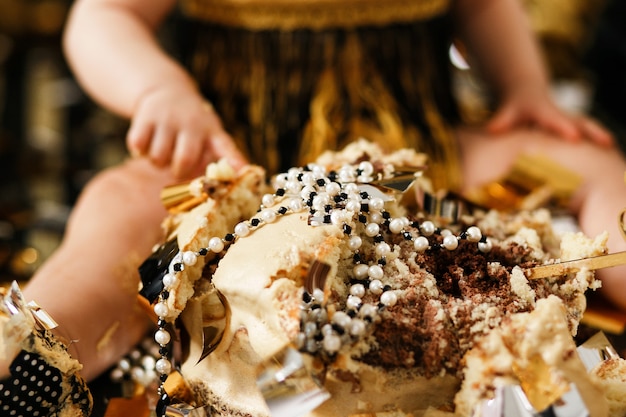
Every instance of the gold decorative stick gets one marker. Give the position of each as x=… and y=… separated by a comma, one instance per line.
x=562, y=268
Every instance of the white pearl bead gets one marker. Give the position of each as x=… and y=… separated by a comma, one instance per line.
x=450, y=242
x=421, y=244
x=280, y=180
x=353, y=302
x=372, y=229
x=216, y=245
x=353, y=206
x=485, y=246
x=376, y=218
x=295, y=204
x=383, y=249
x=318, y=295
x=357, y=327
x=311, y=346
x=375, y=272
x=368, y=310
x=124, y=365
x=319, y=201
x=357, y=290
x=346, y=174
x=161, y=309
x=427, y=228
x=355, y=242
x=308, y=178
x=366, y=168
x=163, y=366
x=293, y=173
x=351, y=188
x=389, y=298
x=162, y=337
x=300, y=340
x=327, y=329
x=306, y=192
x=473, y=234
x=332, y=188
x=376, y=287
x=405, y=221
x=377, y=203
x=293, y=187
x=169, y=280
x=361, y=271
x=242, y=229
x=310, y=329
x=396, y=225
x=337, y=217
x=268, y=215
x=341, y=319
x=445, y=232
x=319, y=171
x=331, y=343
x=189, y=258
x=267, y=200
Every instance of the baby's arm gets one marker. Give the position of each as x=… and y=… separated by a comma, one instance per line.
x=113, y=51
x=499, y=37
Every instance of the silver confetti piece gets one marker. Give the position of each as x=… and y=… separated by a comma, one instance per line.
x=288, y=387
x=595, y=350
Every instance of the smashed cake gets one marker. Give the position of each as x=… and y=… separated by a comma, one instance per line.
x=379, y=299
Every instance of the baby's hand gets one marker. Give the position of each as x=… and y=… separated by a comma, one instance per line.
x=177, y=126
x=533, y=108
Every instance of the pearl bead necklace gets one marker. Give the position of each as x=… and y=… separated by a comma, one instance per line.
x=338, y=198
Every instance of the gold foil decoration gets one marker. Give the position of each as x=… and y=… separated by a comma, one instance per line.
x=536, y=378
x=533, y=181
x=178, y=198
x=563, y=268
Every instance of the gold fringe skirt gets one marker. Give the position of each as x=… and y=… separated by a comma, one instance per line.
x=286, y=96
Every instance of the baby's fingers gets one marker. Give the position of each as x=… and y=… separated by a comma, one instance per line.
x=138, y=138
x=162, y=146
x=595, y=132
x=187, y=158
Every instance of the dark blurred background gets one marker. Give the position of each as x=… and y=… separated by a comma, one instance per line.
x=53, y=138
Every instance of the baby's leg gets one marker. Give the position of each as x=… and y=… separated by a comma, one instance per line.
x=89, y=285
x=597, y=204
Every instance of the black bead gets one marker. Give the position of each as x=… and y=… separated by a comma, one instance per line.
x=164, y=351
x=321, y=182
x=386, y=215
x=306, y=297
x=364, y=195
x=365, y=208
x=161, y=323
x=280, y=192
x=327, y=219
x=229, y=237
x=282, y=210
x=407, y=235
x=347, y=229
x=332, y=175
x=382, y=262
x=340, y=330
x=161, y=407
x=203, y=252
x=356, y=258
x=178, y=267
x=379, y=238
x=165, y=294
x=362, y=218
x=255, y=222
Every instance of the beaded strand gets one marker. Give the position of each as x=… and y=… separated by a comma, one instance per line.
x=339, y=198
